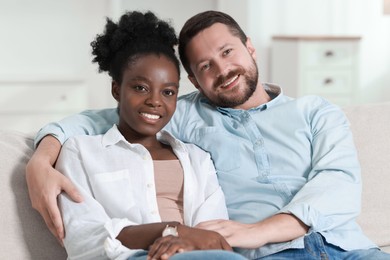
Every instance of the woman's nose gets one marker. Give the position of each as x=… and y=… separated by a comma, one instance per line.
x=154, y=100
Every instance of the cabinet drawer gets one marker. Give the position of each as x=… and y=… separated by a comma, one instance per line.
x=328, y=54
x=327, y=82
x=43, y=98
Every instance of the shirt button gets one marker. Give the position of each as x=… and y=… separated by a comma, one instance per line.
x=153, y=212
x=259, y=142
x=149, y=185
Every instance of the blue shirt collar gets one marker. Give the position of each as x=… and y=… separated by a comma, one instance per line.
x=274, y=91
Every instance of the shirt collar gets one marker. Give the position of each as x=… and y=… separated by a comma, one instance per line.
x=274, y=91
x=113, y=137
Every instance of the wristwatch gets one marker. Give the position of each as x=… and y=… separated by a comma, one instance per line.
x=170, y=231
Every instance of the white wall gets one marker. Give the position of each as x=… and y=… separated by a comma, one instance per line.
x=45, y=43
x=328, y=17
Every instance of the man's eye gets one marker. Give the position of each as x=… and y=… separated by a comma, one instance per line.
x=205, y=67
x=226, y=52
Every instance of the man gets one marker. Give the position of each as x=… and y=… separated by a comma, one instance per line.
x=288, y=167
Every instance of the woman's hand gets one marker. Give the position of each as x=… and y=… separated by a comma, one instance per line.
x=189, y=239
x=45, y=184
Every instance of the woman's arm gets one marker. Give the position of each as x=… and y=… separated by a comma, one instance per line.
x=188, y=239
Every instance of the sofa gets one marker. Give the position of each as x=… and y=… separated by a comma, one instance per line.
x=25, y=236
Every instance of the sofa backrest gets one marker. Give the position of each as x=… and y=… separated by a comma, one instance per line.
x=370, y=125
x=24, y=234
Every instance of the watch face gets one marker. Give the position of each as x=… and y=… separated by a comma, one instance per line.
x=170, y=231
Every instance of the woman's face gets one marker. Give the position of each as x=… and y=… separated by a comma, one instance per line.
x=147, y=95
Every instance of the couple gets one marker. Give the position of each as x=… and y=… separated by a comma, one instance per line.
x=288, y=167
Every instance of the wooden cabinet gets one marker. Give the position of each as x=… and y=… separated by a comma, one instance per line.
x=321, y=65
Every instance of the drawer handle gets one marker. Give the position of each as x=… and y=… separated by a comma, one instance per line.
x=328, y=81
x=329, y=54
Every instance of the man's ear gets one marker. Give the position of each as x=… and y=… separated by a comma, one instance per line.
x=115, y=90
x=251, y=48
x=193, y=81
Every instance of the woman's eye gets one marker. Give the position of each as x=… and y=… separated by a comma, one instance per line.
x=169, y=92
x=140, y=88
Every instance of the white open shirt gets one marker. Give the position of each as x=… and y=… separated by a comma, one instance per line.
x=116, y=179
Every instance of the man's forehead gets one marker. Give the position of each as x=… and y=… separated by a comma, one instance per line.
x=215, y=37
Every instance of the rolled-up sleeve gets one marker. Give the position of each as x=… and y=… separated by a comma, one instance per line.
x=89, y=122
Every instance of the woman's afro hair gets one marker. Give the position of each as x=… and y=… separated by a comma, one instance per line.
x=135, y=34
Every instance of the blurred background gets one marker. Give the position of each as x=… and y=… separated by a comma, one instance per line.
x=336, y=48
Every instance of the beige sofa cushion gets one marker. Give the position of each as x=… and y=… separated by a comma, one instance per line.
x=370, y=126
x=23, y=234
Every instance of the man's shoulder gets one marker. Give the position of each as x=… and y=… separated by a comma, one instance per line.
x=190, y=97
x=187, y=106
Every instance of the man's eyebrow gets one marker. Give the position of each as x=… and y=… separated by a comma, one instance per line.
x=224, y=46
x=206, y=59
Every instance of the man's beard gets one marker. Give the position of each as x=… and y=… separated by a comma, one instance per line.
x=227, y=99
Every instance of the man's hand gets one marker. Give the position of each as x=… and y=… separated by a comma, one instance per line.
x=189, y=239
x=45, y=184
x=278, y=228
x=237, y=234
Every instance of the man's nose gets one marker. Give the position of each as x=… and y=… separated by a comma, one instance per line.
x=220, y=68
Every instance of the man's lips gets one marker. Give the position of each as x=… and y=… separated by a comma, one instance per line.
x=229, y=83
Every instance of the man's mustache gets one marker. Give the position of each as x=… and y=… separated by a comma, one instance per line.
x=223, y=78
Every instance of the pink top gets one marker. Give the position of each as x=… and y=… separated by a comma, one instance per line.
x=168, y=175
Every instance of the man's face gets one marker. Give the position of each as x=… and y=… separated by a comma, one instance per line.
x=224, y=69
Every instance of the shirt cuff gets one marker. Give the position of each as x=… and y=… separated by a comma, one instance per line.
x=52, y=129
x=113, y=247
x=309, y=216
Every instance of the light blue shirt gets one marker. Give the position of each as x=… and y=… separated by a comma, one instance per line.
x=288, y=155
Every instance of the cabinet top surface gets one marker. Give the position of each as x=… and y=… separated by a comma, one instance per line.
x=316, y=37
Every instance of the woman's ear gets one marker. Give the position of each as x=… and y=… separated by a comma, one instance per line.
x=115, y=90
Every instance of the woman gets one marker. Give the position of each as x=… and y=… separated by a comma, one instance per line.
x=143, y=189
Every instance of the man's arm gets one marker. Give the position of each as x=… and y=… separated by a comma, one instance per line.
x=276, y=229
x=43, y=181
x=45, y=184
